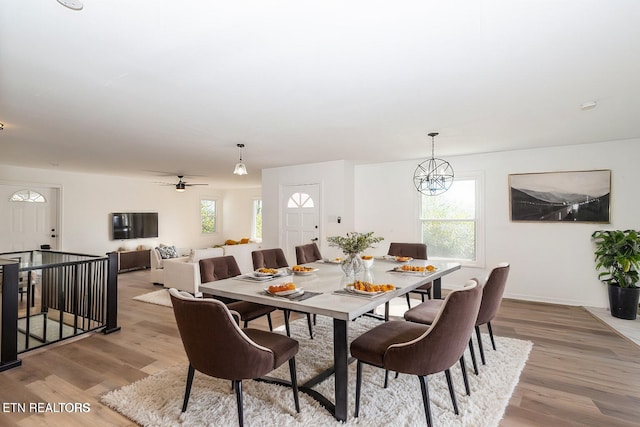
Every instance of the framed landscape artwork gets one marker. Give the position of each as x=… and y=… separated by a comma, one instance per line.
x=581, y=196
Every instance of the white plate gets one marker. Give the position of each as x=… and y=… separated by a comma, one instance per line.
x=400, y=270
x=357, y=291
x=335, y=261
x=303, y=273
x=395, y=258
x=285, y=293
x=260, y=274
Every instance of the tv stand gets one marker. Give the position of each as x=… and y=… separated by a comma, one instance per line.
x=134, y=260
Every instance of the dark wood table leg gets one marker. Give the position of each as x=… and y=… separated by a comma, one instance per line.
x=437, y=289
x=340, y=362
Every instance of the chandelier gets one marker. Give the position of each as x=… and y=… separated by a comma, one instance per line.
x=240, y=168
x=433, y=176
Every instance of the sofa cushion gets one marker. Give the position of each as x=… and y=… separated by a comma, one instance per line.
x=197, y=254
x=167, y=252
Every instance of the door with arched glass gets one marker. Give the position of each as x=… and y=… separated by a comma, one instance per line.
x=31, y=217
x=301, y=217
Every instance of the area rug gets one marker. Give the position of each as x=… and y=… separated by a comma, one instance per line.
x=36, y=331
x=157, y=399
x=160, y=297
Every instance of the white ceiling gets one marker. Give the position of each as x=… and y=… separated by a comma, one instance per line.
x=148, y=87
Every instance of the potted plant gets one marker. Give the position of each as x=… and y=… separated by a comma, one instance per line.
x=352, y=245
x=617, y=257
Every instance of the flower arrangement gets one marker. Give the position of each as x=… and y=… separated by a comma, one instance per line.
x=354, y=243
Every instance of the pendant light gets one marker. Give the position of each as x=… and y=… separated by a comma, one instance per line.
x=240, y=168
x=433, y=176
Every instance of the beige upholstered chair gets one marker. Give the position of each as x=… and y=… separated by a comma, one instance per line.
x=218, y=268
x=415, y=251
x=492, y=296
x=275, y=258
x=421, y=350
x=223, y=350
x=307, y=253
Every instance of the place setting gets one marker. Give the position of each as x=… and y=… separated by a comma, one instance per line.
x=419, y=270
x=288, y=290
x=301, y=270
x=364, y=289
x=265, y=274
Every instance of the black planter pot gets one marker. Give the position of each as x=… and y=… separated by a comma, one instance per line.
x=623, y=302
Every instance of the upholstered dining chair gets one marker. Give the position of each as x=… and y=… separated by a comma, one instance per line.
x=224, y=267
x=275, y=258
x=491, y=300
x=269, y=258
x=224, y=350
x=493, y=290
x=307, y=253
x=415, y=251
x=418, y=349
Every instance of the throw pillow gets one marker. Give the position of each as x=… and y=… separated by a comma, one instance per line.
x=244, y=241
x=167, y=252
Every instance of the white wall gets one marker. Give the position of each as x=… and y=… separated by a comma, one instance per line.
x=551, y=262
x=336, y=194
x=88, y=199
x=237, y=212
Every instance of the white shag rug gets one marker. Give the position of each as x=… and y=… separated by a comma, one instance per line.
x=160, y=297
x=157, y=399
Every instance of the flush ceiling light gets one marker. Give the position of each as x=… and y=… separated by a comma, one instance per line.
x=240, y=168
x=588, y=106
x=71, y=4
x=433, y=176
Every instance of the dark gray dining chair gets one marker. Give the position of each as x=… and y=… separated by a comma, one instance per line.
x=225, y=267
x=415, y=251
x=218, y=347
x=418, y=349
x=275, y=258
x=307, y=253
x=493, y=291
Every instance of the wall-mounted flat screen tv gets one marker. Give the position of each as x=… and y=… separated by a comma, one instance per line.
x=134, y=225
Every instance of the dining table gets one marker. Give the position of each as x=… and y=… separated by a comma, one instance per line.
x=325, y=290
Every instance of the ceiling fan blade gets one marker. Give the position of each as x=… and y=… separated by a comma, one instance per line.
x=190, y=185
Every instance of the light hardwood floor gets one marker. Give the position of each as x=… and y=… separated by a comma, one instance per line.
x=580, y=372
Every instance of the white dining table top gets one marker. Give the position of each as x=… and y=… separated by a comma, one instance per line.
x=329, y=278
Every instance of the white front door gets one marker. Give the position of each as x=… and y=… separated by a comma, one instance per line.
x=28, y=217
x=300, y=216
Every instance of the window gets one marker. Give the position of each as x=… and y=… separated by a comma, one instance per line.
x=451, y=223
x=28, y=196
x=256, y=225
x=208, y=215
x=300, y=200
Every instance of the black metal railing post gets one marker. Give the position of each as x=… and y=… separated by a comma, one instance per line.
x=112, y=294
x=9, y=342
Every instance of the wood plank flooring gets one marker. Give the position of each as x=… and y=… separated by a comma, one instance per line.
x=580, y=372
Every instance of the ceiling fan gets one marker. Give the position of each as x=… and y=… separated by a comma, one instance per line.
x=181, y=185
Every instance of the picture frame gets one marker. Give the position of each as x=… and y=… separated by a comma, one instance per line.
x=568, y=196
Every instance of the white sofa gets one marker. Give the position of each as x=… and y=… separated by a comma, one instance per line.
x=157, y=264
x=183, y=273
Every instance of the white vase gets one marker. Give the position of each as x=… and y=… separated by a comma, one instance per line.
x=351, y=266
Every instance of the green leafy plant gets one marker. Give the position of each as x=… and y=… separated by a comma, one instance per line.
x=618, y=256
x=354, y=243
